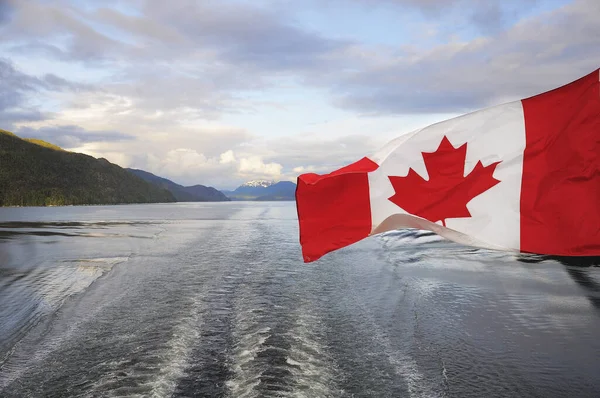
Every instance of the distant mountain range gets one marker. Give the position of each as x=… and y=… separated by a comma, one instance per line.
x=262, y=190
x=195, y=193
x=37, y=173
x=255, y=190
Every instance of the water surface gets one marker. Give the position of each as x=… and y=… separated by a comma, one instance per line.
x=213, y=299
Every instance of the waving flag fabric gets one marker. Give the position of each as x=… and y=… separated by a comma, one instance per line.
x=522, y=176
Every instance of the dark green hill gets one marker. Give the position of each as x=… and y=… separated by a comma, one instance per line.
x=196, y=193
x=36, y=173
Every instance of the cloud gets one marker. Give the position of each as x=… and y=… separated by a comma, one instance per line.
x=71, y=136
x=227, y=157
x=9, y=118
x=312, y=150
x=185, y=166
x=173, y=85
x=6, y=11
x=240, y=34
x=533, y=56
x=180, y=159
x=60, y=20
x=237, y=33
x=275, y=159
x=56, y=83
x=14, y=87
x=189, y=167
x=254, y=165
x=204, y=57
x=195, y=55
x=488, y=16
x=17, y=90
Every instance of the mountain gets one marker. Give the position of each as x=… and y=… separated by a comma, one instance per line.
x=209, y=193
x=258, y=183
x=264, y=191
x=250, y=190
x=37, y=173
x=196, y=193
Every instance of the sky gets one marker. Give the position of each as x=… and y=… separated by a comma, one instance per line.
x=225, y=91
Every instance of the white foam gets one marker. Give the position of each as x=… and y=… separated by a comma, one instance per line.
x=176, y=358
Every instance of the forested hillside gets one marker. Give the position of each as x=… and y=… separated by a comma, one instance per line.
x=36, y=173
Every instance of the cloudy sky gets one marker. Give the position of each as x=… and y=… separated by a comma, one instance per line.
x=220, y=92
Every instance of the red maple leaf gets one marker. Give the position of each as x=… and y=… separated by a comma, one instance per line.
x=447, y=192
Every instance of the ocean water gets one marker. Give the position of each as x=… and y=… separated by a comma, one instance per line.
x=213, y=300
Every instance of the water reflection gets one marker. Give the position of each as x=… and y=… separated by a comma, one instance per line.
x=100, y=224
x=573, y=261
x=578, y=269
x=16, y=229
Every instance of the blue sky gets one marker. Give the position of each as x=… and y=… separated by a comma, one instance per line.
x=220, y=92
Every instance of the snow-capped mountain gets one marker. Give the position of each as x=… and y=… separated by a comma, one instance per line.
x=258, y=183
x=263, y=190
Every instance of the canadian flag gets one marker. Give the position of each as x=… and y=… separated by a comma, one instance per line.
x=522, y=176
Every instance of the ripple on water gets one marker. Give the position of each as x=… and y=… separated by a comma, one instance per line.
x=37, y=294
